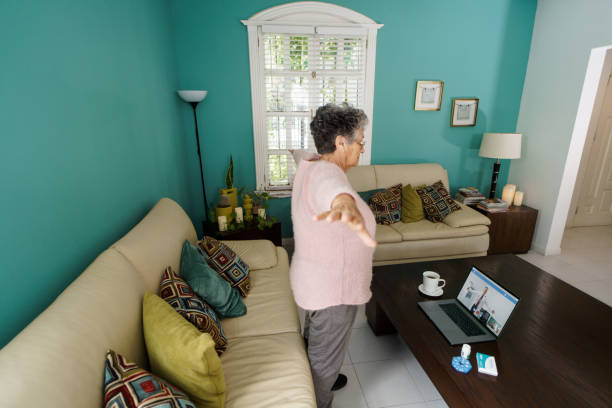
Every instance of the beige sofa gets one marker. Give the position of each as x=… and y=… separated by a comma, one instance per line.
x=58, y=359
x=463, y=233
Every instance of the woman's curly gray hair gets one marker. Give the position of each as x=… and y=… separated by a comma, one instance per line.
x=333, y=120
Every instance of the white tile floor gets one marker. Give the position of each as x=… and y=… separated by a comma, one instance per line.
x=585, y=261
x=382, y=371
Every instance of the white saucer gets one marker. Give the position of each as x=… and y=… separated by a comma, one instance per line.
x=437, y=293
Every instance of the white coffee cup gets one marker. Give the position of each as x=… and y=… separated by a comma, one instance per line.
x=431, y=282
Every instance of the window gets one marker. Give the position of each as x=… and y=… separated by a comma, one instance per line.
x=296, y=68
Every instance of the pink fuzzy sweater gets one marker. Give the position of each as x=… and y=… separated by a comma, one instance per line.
x=331, y=265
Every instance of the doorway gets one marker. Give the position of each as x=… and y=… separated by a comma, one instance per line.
x=593, y=192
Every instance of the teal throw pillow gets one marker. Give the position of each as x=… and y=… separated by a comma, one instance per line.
x=366, y=195
x=208, y=284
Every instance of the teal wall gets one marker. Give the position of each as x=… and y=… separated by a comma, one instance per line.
x=479, y=48
x=91, y=136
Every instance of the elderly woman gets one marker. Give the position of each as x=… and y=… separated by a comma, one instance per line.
x=333, y=227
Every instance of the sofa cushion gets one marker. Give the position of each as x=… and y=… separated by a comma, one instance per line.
x=179, y=353
x=174, y=290
x=268, y=371
x=270, y=305
x=424, y=229
x=227, y=264
x=156, y=241
x=386, y=233
x=363, y=178
x=207, y=283
x=412, y=206
x=68, y=341
x=127, y=385
x=466, y=217
x=414, y=251
x=415, y=174
x=437, y=203
x=258, y=254
x=387, y=205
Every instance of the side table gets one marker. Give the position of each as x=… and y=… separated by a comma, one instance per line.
x=511, y=231
x=249, y=232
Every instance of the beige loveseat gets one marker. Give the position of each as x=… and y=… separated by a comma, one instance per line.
x=463, y=233
x=58, y=359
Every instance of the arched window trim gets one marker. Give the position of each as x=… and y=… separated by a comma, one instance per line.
x=300, y=15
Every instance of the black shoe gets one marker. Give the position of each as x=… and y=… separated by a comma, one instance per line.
x=340, y=382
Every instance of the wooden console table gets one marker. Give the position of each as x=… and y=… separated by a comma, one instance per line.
x=249, y=232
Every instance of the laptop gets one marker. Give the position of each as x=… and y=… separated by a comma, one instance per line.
x=479, y=313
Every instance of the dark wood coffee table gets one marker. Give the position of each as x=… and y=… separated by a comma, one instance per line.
x=555, y=351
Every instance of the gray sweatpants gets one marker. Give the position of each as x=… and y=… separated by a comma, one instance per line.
x=327, y=332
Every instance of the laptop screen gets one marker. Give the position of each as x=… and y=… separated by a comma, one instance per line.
x=487, y=300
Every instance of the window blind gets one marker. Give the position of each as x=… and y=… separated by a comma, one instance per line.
x=303, y=71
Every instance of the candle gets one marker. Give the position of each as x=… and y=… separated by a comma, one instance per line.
x=262, y=213
x=518, y=198
x=222, y=220
x=239, y=215
x=508, y=193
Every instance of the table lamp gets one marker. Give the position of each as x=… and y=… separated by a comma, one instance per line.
x=499, y=146
x=193, y=97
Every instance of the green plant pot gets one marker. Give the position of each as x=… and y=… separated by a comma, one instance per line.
x=227, y=211
x=232, y=193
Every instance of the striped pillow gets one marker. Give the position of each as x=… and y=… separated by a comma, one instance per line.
x=174, y=290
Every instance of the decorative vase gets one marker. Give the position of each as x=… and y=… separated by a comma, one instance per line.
x=224, y=211
x=232, y=193
x=248, y=208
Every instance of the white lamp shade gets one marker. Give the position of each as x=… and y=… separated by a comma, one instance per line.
x=192, y=96
x=501, y=145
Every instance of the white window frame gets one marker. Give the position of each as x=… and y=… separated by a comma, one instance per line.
x=299, y=16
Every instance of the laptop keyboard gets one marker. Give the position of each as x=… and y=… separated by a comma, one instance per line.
x=466, y=325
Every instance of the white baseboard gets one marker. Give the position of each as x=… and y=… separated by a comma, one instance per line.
x=546, y=251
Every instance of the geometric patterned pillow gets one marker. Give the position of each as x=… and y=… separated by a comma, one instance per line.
x=127, y=385
x=227, y=264
x=174, y=290
x=437, y=203
x=387, y=205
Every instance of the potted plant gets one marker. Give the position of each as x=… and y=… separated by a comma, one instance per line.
x=259, y=199
x=230, y=190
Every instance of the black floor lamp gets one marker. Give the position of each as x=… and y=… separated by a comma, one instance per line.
x=499, y=146
x=193, y=98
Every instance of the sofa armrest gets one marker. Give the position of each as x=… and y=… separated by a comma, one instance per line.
x=257, y=253
x=466, y=217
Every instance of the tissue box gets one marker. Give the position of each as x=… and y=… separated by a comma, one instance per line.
x=486, y=364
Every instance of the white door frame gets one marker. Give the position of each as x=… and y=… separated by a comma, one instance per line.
x=589, y=106
x=587, y=155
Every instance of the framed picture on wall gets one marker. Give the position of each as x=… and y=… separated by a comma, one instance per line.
x=464, y=112
x=428, y=95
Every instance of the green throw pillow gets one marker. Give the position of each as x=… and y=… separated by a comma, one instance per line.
x=208, y=284
x=181, y=354
x=412, y=206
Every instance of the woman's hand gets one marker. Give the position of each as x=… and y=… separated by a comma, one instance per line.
x=343, y=209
